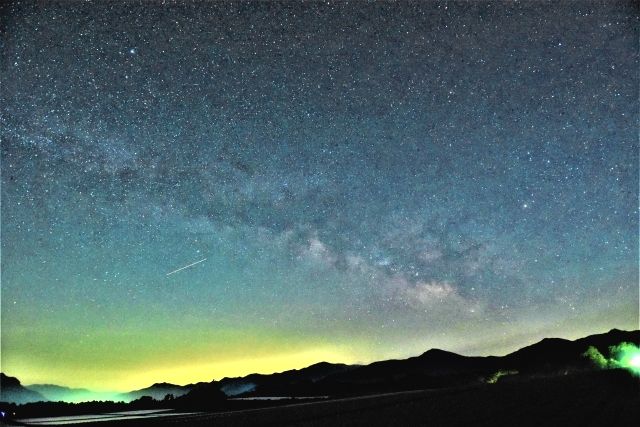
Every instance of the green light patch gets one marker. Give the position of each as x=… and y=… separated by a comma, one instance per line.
x=497, y=375
x=624, y=355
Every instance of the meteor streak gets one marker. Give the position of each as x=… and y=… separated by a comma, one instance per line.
x=186, y=266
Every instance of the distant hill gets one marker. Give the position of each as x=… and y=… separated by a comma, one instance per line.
x=56, y=393
x=556, y=354
x=282, y=383
x=157, y=391
x=12, y=391
x=438, y=368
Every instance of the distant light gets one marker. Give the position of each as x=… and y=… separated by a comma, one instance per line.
x=132, y=51
x=626, y=355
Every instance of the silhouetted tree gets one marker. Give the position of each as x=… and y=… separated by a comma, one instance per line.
x=205, y=397
x=144, y=402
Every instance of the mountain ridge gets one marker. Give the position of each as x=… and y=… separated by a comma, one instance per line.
x=12, y=390
x=435, y=368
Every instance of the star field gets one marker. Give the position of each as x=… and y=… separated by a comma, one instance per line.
x=365, y=181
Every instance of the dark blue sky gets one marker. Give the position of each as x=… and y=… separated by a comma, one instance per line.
x=365, y=180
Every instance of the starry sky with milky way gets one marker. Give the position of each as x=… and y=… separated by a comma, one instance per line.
x=363, y=180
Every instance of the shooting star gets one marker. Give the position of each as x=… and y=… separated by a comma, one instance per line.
x=186, y=266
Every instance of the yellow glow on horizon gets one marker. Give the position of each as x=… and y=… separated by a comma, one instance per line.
x=236, y=367
x=122, y=360
x=112, y=380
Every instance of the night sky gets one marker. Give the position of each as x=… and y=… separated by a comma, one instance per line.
x=362, y=180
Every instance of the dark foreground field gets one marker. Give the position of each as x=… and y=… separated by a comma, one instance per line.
x=588, y=399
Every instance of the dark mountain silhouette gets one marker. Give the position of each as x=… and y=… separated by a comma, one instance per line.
x=433, y=369
x=157, y=391
x=438, y=368
x=12, y=391
x=282, y=383
x=557, y=354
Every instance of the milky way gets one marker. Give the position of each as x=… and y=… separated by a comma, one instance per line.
x=363, y=181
